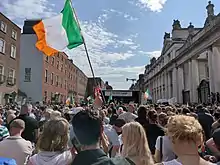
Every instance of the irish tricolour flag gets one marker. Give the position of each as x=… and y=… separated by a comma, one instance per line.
x=59, y=32
x=146, y=94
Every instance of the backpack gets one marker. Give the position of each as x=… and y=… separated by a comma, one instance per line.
x=7, y=161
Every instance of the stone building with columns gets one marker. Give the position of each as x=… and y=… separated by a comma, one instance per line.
x=188, y=69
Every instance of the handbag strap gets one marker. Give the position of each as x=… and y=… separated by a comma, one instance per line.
x=161, y=148
x=130, y=161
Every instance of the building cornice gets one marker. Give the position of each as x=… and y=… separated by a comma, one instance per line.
x=198, y=39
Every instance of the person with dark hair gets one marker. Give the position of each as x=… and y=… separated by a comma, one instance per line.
x=206, y=120
x=154, y=130
x=142, y=117
x=88, y=132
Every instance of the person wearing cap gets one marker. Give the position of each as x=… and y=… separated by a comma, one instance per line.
x=15, y=146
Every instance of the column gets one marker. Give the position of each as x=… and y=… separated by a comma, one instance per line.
x=211, y=71
x=180, y=84
x=194, y=81
x=216, y=65
x=174, y=75
x=166, y=86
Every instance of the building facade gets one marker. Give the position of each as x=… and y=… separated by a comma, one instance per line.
x=48, y=79
x=187, y=70
x=9, y=59
x=91, y=85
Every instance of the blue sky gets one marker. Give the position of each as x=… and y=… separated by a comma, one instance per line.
x=121, y=35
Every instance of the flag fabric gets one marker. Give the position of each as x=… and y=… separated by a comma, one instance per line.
x=88, y=98
x=59, y=32
x=110, y=98
x=97, y=91
x=146, y=94
x=68, y=101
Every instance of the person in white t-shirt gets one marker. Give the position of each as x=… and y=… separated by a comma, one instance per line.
x=129, y=116
x=113, y=132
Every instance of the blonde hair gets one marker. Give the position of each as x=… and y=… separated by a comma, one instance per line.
x=54, y=136
x=184, y=128
x=55, y=114
x=135, y=144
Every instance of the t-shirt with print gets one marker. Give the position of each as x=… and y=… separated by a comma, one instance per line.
x=112, y=135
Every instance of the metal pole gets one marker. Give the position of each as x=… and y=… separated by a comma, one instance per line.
x=87, y=55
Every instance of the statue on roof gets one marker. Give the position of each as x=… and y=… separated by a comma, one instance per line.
x=176, y=24
x=166, y=35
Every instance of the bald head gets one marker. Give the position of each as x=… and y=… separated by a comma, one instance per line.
x=10, y=117
x=26, y=109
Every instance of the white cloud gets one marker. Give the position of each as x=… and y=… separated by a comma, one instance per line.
x=25, y=9
x=127, y=16
x=155, y=54
x=153, y=5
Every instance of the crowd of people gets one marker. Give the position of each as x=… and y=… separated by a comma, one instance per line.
x=113, y=134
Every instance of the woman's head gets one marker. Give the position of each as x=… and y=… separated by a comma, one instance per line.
x=163, y=119
x=135, y=142
x=54, y=136
x=142, y=112
x=184, y=130
x=152, y=115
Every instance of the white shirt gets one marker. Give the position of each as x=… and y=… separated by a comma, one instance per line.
x=128, y=117
x=112, y=136
x=167, y=151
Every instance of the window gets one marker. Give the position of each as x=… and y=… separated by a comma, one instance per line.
x=58, y=63
x=46, y=76
x=57, y=80
x=45, y=96
x=61, y=83
x=58, y=54
x=65, y=72
x=51, y=78
x=65, y=84
x=3, y=27
x=1, y=70
x=61, y=67
x=14, y=34
x=1, y=73
x=47, y=59
x=52, y=61
x=13, y=51
x=62, y=58
x=11, y=76
x=27, y=77
x=2, y=45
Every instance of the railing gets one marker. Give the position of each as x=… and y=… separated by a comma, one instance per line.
x=2, y=78
x=11, y=81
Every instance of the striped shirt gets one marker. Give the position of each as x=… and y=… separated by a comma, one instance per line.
x=3, y=132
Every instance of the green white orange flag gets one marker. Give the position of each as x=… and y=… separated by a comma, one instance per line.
x=59, y=32
x=146, y=94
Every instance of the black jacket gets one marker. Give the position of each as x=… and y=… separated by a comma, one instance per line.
x=97, y=157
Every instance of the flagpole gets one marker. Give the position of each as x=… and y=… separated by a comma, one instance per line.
x=87, y=53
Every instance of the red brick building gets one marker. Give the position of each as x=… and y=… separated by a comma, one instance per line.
x=9, y=59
